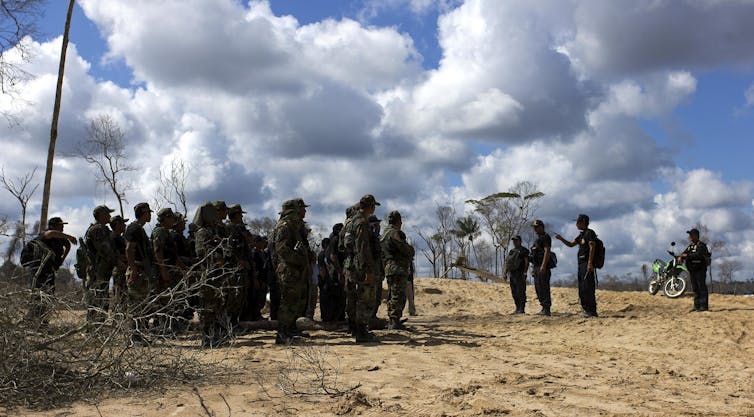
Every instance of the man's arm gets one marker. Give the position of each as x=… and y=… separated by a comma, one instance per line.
x=565, y=242
x=54, y=234
x=590, y=263
x=545, y=260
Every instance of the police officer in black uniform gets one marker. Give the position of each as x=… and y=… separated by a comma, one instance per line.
x=516, y=265
x=540, y=255
x=586, y=276
x=697, y=258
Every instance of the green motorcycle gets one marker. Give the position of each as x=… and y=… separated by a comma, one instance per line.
x=670, y=276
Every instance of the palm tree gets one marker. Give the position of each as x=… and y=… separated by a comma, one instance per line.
x=466, y=228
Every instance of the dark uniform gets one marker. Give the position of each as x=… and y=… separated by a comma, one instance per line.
x=46, y=257
x=587, y=280
x=374, y=224
x=119, y=272
x=697, y=258
x=541, y=280
x=337, y=290
x=516, y=264
x=140, y=279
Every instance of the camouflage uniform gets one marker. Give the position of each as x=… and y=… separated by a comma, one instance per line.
x=362, y=262
x=170, y=275
x=240, y=278
x=397, y=255
x=346, y=248
x=119, y=272
x=292, y=253
x=103, y=258
x=209, y=251
x=374, y=224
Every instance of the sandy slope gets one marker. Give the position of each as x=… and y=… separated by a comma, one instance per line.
x=467, y=356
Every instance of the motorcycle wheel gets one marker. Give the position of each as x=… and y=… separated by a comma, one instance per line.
x=676, y=286
x=654, y=286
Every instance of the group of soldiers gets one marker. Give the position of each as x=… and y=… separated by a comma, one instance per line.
x=223, y=272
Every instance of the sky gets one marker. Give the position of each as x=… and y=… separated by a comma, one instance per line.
x=638, y=113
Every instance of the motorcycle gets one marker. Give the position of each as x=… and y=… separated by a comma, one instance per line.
x=670, y=276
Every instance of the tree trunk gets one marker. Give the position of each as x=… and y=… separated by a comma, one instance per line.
x=55, y=115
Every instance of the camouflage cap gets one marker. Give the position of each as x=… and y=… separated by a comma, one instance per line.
x=141, y=208
x=165, y=212
x=234, y=209
x=537, y=223
x=394, y=216
x=55, y=221
x=517, y=237
x=368, y=201
x=220, y=204
x=118, y=219
x=101, y=210
x=179, y=218
x=294, y=204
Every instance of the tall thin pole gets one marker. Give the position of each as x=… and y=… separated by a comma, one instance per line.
x=55, y=115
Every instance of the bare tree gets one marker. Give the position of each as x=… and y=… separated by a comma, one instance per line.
x=446, y=217
x=431, y=251
x=173, y=184
x=55, y=116
x=506, y=214
x=104, y=147
x=22, y=190
x=263, y=226
x=18, y=19
x=728, y=269
x=716, y=246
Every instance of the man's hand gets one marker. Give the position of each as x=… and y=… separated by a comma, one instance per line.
x=557, y=236
x=72, y=239
x=542, y=269
x=589, y=268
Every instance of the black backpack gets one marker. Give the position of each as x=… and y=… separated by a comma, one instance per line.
x=599, y=253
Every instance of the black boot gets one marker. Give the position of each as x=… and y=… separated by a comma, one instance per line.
x=396, y=324
x=363, y=335
x=545, y=312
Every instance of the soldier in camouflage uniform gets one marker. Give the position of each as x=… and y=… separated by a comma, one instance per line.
x=397, y=255
x=292, y=255
x=118, y=226
x=166, y=257
x=239, y=239
x=209, y=251
x=186, y=259
x=374, y=224
x=140, y=273
x=350, y=287
x=102, y=260
x=362, y=267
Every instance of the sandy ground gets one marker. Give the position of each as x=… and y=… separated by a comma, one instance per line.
x=467, y=356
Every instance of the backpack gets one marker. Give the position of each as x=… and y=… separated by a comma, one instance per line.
x=82, y=260
x=515, y=261
x=599, y=253
x=552, y=263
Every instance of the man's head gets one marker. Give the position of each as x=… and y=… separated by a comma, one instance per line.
x=693, y=235
x=222, y=209
x=516, y=241
x=102, y=214
x=337, y=227
x=235, y=213
x=394, y=218
x=166, y=217
x=539, y=226
x=143, y=213
x=56, y=223
x=582, y=221
x=368, y=204
x=180, y=222
x=118, y=224
x=325, y=243
x=294, y=205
